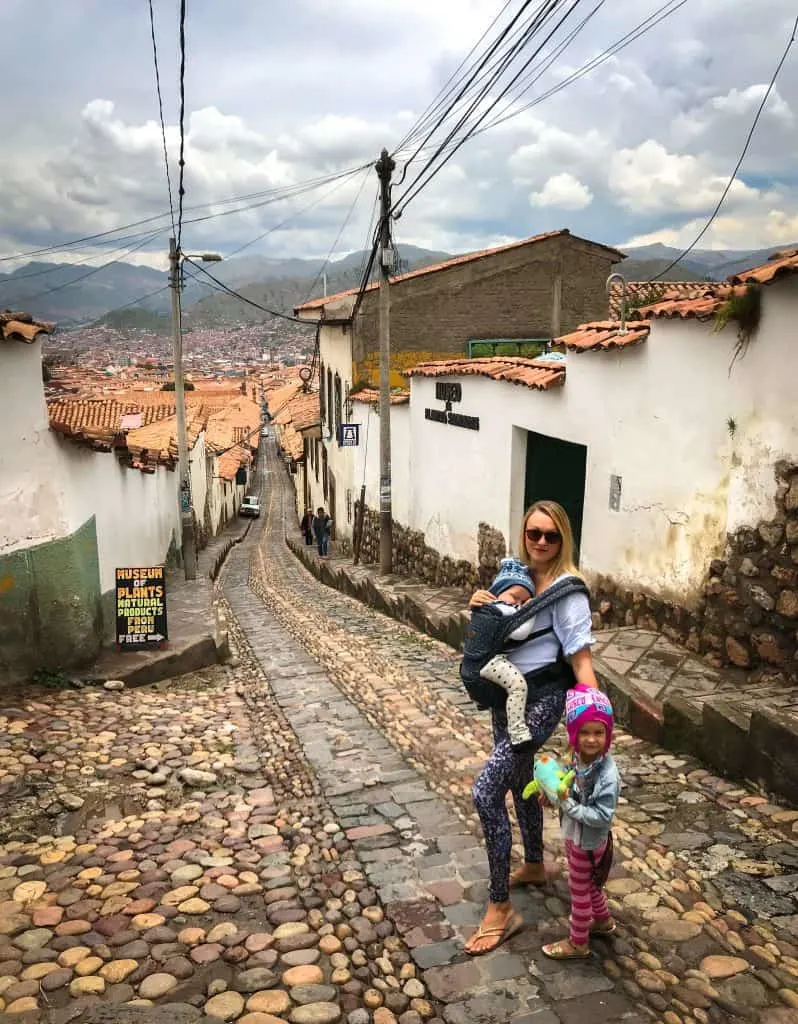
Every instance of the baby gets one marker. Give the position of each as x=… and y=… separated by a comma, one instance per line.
x=513, y=587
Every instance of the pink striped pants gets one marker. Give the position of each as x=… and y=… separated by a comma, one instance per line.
x=587, y=902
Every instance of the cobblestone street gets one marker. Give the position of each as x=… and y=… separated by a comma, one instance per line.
x=290, y=838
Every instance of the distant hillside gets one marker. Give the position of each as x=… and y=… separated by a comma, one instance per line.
x=634, y=269
x=137, y=319
x=73, y=295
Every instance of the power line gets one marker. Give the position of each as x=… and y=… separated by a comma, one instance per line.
x=160, y=114
x=739, y=163
x=274, y=196
x=243, y=298
x=182, y=163
x=428, y=172
x=333, y=247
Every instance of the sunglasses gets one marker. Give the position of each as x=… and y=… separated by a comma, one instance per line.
x=550, y=536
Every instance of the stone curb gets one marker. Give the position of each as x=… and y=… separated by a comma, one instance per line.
x=761, y=748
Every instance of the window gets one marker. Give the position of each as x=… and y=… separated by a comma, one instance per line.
x=337, y=423
x=322, y=404
x=325, y=482
x=329, y=402
x=316, y=459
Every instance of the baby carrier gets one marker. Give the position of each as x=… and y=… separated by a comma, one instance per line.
x=488, y=634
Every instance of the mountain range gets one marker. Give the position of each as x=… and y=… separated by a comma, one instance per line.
x=124, y=295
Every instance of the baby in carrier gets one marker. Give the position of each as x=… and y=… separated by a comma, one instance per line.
x=484, y=649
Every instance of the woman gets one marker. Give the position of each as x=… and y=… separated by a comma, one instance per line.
x=547, y=548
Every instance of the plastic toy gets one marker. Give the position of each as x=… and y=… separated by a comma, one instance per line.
x=549, y=779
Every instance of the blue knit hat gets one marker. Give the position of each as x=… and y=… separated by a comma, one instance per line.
x=512, y=573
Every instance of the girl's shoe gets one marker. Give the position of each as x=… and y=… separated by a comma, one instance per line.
x=607, y=927
x=566, y=950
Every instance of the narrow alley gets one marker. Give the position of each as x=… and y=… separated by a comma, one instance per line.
x=290, y=837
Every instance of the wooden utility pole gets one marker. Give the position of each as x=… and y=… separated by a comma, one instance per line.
x=385, y=167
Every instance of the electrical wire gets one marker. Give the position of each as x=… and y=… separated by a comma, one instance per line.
x=243, y=298
x=333, y=247
x=95, y=270
x=160, y=114
x=739, y=163
x=474, y=76
x=273, y=195
x=429, y=171
x=182, y=89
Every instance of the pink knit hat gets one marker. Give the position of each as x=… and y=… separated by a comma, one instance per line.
x=587, y=704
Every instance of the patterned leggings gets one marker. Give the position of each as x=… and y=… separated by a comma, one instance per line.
x=506, y=771
x=502, y=672
x=587, y=902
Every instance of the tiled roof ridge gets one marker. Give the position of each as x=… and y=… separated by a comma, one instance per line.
x=457, y=261
x=605, y=334
x=536, y=374
x=18, y=326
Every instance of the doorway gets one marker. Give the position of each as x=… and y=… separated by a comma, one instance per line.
x=332, y=509
x=555, y=470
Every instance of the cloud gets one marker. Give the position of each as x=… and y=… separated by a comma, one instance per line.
x=563, y=191
x=640, y=148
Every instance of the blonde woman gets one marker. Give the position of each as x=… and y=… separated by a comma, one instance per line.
x=555, y=656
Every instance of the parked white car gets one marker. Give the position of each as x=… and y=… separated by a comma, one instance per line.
x=250, y=507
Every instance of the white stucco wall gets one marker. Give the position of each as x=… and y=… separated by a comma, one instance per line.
x=30, y=505
x=335, y=354
x=136, y=513
x=367, y=458
x=656, y=415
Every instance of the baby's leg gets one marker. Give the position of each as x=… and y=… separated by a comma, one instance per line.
x=499, y=670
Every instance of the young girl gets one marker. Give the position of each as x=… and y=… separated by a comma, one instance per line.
x=586, y=818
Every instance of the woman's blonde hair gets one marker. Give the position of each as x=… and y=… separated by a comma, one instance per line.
x=564, y=561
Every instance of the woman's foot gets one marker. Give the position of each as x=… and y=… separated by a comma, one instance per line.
x=530, y=873
x=499, y=924
x=566, y=950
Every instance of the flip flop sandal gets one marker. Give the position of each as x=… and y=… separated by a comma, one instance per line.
x=598, y=929
x=514, y=925
x=564, y=951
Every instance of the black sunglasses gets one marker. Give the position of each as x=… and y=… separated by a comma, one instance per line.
x=536, y=535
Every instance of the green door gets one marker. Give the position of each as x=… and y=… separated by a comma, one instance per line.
x=555, y=471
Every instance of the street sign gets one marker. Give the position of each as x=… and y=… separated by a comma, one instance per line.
x=349, y=435
x=141, y=608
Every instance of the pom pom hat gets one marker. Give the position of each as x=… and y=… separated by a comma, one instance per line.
x=512, y=573
x=585, y=704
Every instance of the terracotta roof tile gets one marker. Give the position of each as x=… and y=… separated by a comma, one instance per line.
x=700, y=307
x=291, y=441
x=238, y=422
x=303, y=411
x=457, y=261
x=530, y=373
x=227, y=465
x=605, y=334
x=649, y=292
x=779, y=264
x=22, y=327
x=372, y=395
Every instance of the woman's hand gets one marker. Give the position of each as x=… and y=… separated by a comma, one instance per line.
x=480, y=597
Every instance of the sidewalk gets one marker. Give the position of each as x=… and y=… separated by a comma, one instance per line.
x=661, y=692
x=197, y=632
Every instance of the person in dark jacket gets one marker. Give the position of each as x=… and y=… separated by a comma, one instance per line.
x=322, y=524
x=306, y=526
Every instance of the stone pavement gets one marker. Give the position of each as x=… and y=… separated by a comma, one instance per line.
x=661, y=691
x=290, y=838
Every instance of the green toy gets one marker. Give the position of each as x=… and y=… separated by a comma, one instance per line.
x=549, y=779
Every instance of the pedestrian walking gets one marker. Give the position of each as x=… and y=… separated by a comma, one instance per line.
x=322, y=524
x=555, y=656
x=586, y=820
x=306, y=526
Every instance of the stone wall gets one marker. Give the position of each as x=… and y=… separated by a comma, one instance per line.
x=414, y=559
x=748, y=613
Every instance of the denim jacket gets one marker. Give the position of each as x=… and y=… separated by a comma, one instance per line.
x=586, y=815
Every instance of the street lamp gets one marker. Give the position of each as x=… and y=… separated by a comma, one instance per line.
x=188, y=540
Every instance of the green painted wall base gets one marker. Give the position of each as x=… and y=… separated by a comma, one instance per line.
x=50, y=607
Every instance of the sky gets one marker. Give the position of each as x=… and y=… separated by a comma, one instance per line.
x=281, y=92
